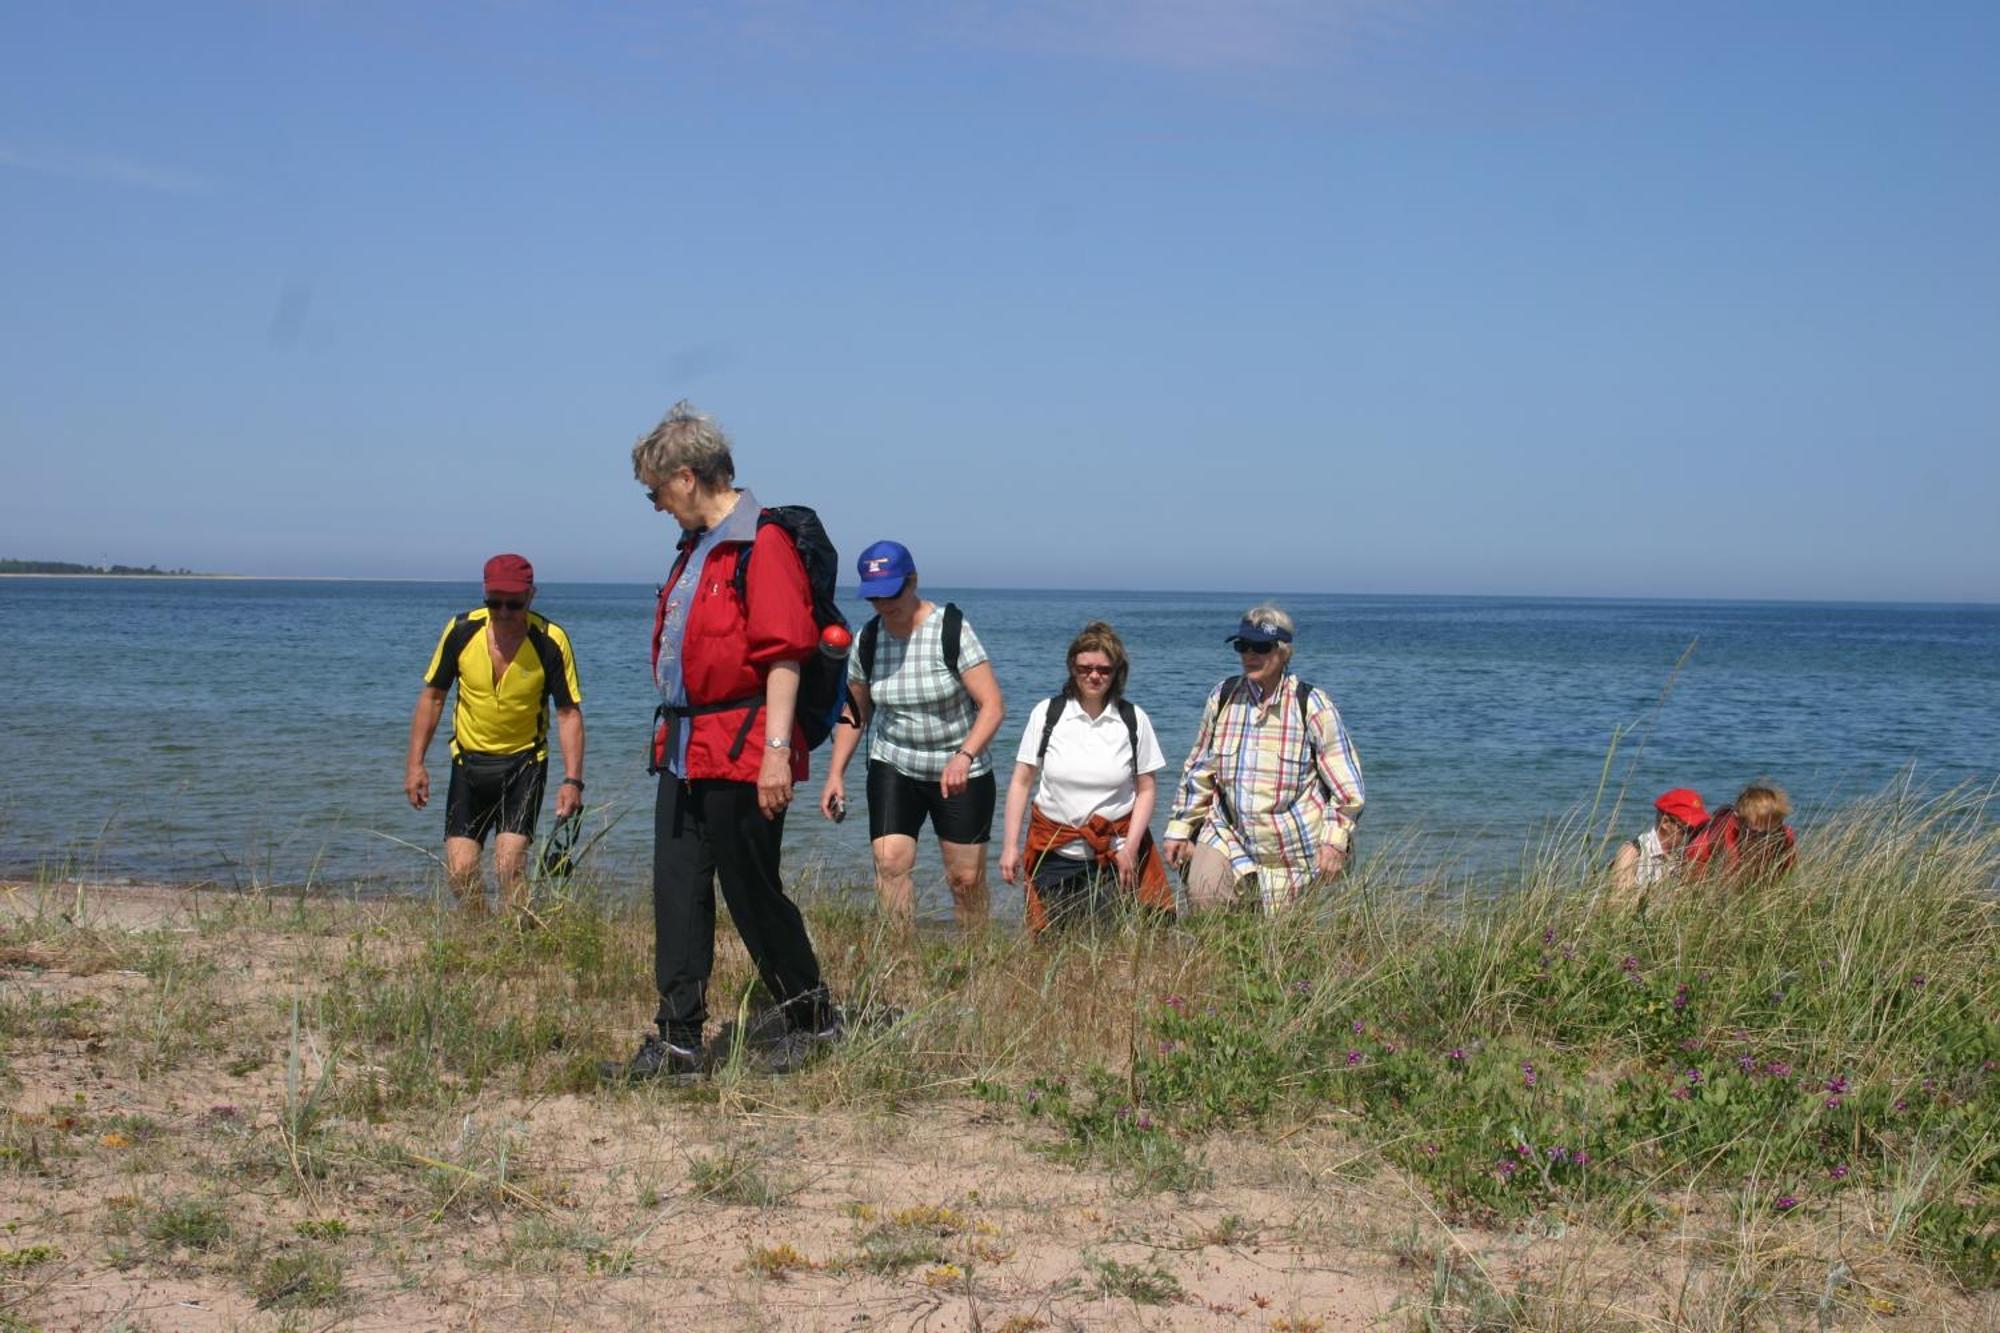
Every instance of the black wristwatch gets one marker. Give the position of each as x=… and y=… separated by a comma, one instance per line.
x=573, y=782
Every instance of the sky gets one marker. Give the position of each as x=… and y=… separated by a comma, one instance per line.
x=1547, y=297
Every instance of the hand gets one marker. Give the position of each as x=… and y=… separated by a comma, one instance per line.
x=774, y=782
x=569, y=800
x=1332, y=860
x=957, y=773
x=832, y=794
x=1010, y=864
x=1127, y=861
x=417, y=785
x=1178, y=851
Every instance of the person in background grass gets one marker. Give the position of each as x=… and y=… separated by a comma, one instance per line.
x=1656, y=854
x=1748, y=839
x=925, y=692
x=1096, y=754
x=1272, y=789
x=730, y=752
x=508, y=662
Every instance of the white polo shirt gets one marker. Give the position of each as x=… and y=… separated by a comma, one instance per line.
x=1088, y=768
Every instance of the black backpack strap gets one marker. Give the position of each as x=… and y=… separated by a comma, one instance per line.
x=742, y=578
x=1312, y=742
x=870, y=632
x=1130, y=715
x=954, y=632
x=1049, y=726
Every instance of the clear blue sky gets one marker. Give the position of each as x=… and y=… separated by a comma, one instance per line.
x=1679, y=298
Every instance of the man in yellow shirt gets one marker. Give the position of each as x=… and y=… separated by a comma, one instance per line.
x=509, y=663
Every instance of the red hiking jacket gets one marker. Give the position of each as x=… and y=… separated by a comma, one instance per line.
x=1721, y=846
x=727, y=650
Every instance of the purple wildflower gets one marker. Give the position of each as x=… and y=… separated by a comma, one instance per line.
x=1144, y=1121
x=1388, y=1048
x=1836, y=1084
x=1580, y=1157
x=1833, y=1103
x=1838, y=1173
x=1787, y=1202
x=1359, y=1026
x=1694, y=1078
x=1746, y=1064
x=1558, y=1154
x=1629, y=964
x=1681, y=1094
x=1302, y=986
x=1681, y=998
x=1901, y=1106
x=1549, y=935
x=1527, y=1075
x=1778, y=1069
x=1353, y=1059
x=1176, y=1003
x=1457, y=1053
x=1506, y=1169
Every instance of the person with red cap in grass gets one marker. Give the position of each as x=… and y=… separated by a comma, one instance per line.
x=508, y=663
x=1657, y=853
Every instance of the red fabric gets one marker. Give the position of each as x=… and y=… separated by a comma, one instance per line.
x=1719, y=849
x=727, y=653
x=1045, y=835
x=509, y=573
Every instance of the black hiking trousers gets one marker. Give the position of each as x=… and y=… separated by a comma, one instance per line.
x=711, y=829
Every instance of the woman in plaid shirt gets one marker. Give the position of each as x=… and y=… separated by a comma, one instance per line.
x=1272, y=788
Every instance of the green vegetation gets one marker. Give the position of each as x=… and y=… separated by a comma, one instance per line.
x=1797, y=1083
x=66, y=567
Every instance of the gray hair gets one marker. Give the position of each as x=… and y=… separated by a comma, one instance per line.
x=687, y=439
x=1272, y=613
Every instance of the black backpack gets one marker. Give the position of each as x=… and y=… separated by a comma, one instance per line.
x=822, y=676
x=954, y=631
x=1127, y=713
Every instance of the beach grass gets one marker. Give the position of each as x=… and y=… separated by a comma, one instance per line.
x=1729, y=1106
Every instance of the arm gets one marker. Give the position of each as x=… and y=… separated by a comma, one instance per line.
x=774, y=776
x=569, y=730
x=1625, y=868
x=1144, y=792
x=846, y=740
x=984, y=687
x=1197, y=789
x=1340, y=771
x=1018, y=791
x=423, y=725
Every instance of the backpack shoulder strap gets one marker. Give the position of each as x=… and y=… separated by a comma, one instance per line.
x=742, y=577
x=1056, y=704
x=954, y=632
x=870, y=632
x=1129, y=713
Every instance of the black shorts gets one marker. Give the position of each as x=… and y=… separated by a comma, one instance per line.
x=899, y=803
x=494, y=790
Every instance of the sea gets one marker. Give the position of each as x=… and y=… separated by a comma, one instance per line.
x=252, y=732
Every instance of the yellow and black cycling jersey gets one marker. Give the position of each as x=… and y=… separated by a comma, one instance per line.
x=511, y=714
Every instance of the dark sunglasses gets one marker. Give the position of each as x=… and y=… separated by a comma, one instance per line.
x=504, y=604
x=1251, y=646
x=1092, y=670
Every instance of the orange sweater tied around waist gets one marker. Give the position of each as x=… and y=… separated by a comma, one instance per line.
x=1045, y=835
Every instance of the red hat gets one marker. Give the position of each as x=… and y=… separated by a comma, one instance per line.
x=509, y=573
x=1684, y=804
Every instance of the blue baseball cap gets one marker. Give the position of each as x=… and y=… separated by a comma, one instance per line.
x=885, y=567
x=1261, y=631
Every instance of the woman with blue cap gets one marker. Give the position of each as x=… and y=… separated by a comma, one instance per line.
x=926, y=693
x=1272, y=789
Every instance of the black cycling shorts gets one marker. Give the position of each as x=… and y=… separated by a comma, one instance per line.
x=494, y=790
x=899, y=803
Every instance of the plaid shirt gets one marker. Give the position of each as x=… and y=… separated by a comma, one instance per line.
x=922, y=713
x=1266, y=788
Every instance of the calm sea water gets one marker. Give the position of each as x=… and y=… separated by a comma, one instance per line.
x=239, y=732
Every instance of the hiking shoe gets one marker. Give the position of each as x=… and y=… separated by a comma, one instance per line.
x=801, y=1046
x=656, y=1058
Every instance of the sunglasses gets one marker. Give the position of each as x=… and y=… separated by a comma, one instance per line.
x=1082, y=670
x=504, y=604
x=1251, y=646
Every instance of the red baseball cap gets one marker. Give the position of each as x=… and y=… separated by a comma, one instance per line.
x=509, y=573
x=1684, y=804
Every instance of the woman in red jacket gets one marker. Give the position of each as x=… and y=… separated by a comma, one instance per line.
x=730, y=752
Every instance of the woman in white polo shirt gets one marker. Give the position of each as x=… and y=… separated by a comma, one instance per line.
x=1088, y=843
